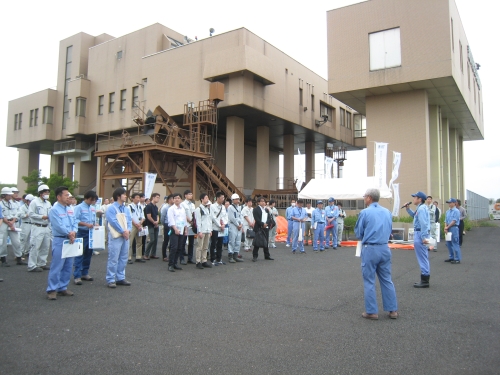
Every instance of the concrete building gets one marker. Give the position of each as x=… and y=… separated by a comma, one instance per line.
x=413, y=75
x=272, y=105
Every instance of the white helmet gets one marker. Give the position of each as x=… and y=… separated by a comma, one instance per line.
x=14, y=189
x=235, y=196
x=43, y=187
x=29, y=197
x=6, y=191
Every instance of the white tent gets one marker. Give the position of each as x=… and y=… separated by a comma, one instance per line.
x=342, y=188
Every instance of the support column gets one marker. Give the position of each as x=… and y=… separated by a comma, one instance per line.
x=288, y=161
x=192, y=180
x=235, y=150
x=29, y=160
x=86, y=175
x=445, y=152
x=461, y=185
x=310, y=156
x=262, y=164
x=435, y=151
x=454, y=163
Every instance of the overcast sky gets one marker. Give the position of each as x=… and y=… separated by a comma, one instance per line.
x=31, y=31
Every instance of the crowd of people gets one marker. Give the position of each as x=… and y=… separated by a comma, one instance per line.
x=32, y=225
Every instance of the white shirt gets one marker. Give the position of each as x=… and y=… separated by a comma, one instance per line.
x=177, y=217
x=247, y=212
x=309, y=212
x=189, y=207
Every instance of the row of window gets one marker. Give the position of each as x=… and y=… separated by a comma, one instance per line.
x=123, y=101
x=345, y=116
x=48, y=117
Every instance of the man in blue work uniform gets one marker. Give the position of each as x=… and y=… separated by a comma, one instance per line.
x=288, y=215
x=64, y=227
x=373, y=228
x=421, y=226
x=318, y=225
x=299, y=215
x=452, y=223
x=118, y=247
x=332, y=213
x=85, y=217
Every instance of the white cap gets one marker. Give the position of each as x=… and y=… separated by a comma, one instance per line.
x=6, y=191
x=29, y=197
x=235, y=196
x=14, y=189
x=43, y=187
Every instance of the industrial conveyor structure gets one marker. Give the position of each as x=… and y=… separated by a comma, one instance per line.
x=158, y=145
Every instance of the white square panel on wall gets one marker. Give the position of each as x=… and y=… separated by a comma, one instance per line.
x=385, y=49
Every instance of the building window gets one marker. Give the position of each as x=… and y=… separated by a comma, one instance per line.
x=474, y=90
x=452, y=37
x=385, y=49
x=111, y=102
x=312, y=102
x=32, y=117
x=301, y=96
x=119, y=55
x=20, y=123
x=48, y=115
x=123, y=99
x=81, y=106
x=36, y=117
x=16, y=116
x=135, y=96
x=67, y=77
x=461, y=57
x=342, y=117
x=326, y=110
x=359, y=126
x=348, y=120
x=100, y=110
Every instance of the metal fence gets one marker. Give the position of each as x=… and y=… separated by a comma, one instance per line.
x=477, y=206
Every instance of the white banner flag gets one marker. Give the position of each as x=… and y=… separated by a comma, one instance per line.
x=396, y=161
x=380, y=164
x=328, y=167
x=149, y=183
x=397, y=202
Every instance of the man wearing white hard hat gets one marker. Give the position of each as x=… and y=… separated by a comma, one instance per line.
x=25, y=224
x=40, y=230
x=235, y=226
x=8, y=227
x=15, y=195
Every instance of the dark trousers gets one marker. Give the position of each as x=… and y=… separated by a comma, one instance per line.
x=153, y=241
x=82, y=263
x=176, y=248
x=166, y=239
x=266, y=249
x=216, y=244
x=461, y=232
x=190, y=248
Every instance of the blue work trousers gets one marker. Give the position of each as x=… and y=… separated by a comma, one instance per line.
x=82, y=263
x=333, y=232
x=422, y=253
x=117, y=259
x=453, y=245
x=376, y=260
x=296, y=243
x=319, y=234
x=289, y=235
x=60, y=268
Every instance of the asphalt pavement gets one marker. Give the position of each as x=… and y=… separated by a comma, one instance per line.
x=298, y=314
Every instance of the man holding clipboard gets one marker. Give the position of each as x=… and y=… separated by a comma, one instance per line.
x=120, y=224
x=64, y=228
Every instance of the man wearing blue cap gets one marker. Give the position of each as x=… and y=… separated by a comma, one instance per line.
x=318, y=218
x=332, y=213
x=421, y=225
x=451, y=224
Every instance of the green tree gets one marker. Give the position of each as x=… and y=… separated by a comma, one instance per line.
x=34, y=179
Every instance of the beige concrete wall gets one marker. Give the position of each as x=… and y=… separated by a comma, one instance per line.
x=420, y=22
x=24, y=105
x=402, y=120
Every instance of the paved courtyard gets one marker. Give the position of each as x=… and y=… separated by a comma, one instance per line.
x=298, y=314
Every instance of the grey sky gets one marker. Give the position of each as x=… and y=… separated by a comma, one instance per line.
x=31, y=33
